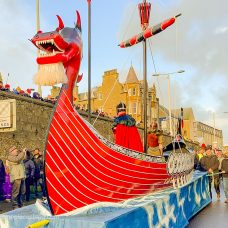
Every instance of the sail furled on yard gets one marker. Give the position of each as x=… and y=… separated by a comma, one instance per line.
x=151, y=31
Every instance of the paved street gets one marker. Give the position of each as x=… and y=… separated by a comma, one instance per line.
x=214, y=215
x=7, y=206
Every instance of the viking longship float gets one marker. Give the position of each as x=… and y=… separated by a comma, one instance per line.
x=82, y=167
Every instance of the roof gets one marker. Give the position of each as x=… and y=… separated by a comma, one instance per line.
x=84, y=96
x=187, y=112
x=132, y=77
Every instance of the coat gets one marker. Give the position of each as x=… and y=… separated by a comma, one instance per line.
x=29, y=168
x=16, y=166
x=210, y=162
x=126, y=133
x=224, y=167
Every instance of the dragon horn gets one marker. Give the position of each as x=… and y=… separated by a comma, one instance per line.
x=61, y=25
x=78, y=24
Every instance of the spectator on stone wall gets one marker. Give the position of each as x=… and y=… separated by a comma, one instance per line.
x=7, y=87
x=27, y=93
x=29, y=172
x=36, y=95
x=17, y=175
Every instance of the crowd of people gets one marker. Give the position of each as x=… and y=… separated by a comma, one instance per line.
x=215, y=163
x=96, y=112
x=25, y=168
x=21, y=171
x=26, y=93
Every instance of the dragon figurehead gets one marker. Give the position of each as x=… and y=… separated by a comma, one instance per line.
x=60, y=55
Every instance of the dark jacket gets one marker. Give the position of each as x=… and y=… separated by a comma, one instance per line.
x=224, y=167
x=29, y=168
x=38, y=162
x=210, y=162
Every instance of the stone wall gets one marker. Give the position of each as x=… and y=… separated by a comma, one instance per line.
x=32, y=117
x=32, y=120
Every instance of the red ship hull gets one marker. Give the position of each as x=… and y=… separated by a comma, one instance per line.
x=81, y=168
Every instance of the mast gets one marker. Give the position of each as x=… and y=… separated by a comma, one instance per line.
x=144, y=12
x=89, y=60
x=38, y=29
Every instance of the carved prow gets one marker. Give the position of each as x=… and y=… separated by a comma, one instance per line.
x=78, y=24
x=61, y=25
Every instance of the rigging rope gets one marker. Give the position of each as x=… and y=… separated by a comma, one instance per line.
x=129, y=23
x=121, y=71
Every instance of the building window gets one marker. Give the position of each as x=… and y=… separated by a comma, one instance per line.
x=134, y=108
x=134, y=91
x=129, y=106
x=100, y=97
x=129, y=92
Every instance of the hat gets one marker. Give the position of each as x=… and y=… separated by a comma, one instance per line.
x=208, y=147
x=28, y=91
x=21, y=91
x=7, y=86
x=203, y=146
x=12, y=149
x=18, y=89
x=121, y=107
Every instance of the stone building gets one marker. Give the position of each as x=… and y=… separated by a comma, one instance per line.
x=207, y=134
x=28, y=120
x=105, y=98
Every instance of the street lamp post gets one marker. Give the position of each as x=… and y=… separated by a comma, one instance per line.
x=213, y=114
x=169, y=94
x=37, y=29
x=89, y=60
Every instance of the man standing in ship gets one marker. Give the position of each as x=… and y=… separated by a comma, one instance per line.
x=125, y=131
x=155, y=141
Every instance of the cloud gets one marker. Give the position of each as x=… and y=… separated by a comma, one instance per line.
x=17, y=54
x=196, y=43
x=221, y=30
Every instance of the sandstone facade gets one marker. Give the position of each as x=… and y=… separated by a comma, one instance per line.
x=32, y=120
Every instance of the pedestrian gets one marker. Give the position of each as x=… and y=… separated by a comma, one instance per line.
x=2, y=178
x=198, y=156
x=224, y=168
x=125, y=131
x=17, y=175
x=210, y=163
x=39, y=172
x=29, y=173
x=7, y=187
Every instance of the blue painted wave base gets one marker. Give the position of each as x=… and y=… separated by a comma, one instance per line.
x=169, y=208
